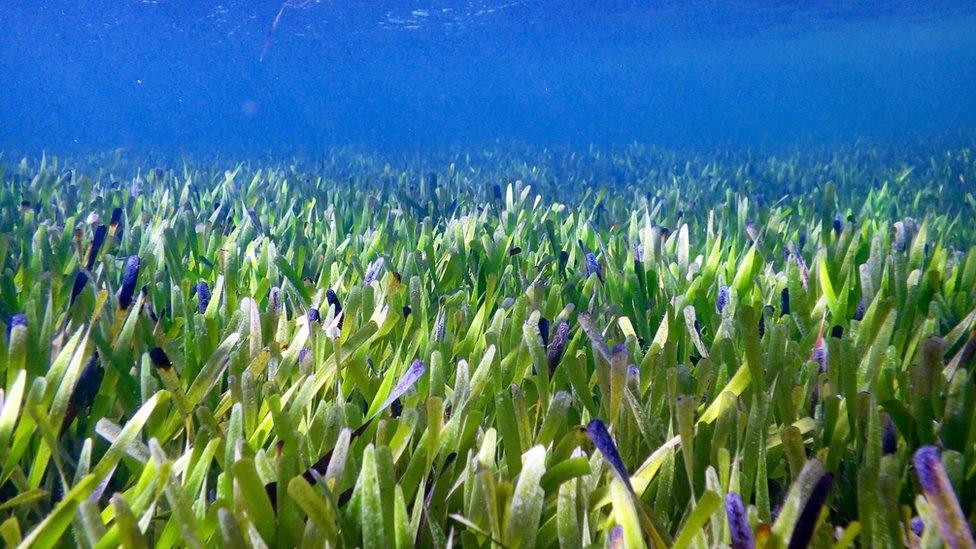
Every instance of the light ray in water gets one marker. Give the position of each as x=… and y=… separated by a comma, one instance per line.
x=269, y=38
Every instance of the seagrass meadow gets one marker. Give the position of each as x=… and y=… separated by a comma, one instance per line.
x=506, y=347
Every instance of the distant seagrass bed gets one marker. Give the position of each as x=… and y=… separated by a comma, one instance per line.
x=511, y=346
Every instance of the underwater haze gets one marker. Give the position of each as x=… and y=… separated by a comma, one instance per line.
x=254, y=77
x=492, y=274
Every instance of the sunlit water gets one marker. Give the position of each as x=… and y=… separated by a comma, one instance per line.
x=260, y=77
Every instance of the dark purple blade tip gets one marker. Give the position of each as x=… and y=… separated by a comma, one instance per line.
x=333, y=301
x=159, y=359
x=601, y=438
x=722, y=300
x=406, y=382
x=739, y=529
x=373, y=272
x=18, y=319
x=807, y=521
x=927, y=465
x=88, y=383
x=274, y=298
x=129, y=279
x=81, y=279
x=96, y=245
x=203, y=296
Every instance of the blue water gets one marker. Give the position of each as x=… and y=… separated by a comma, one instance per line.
x=203, y=77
